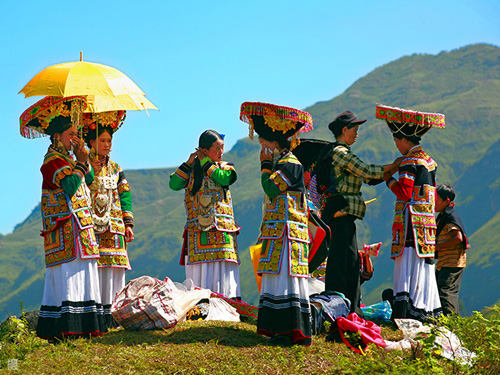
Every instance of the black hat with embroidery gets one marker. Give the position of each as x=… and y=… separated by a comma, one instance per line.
x=52, y=115
x=95, y=123
x=275, y=123
x=409, y=123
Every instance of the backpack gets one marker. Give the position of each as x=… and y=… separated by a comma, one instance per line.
x=326, y=184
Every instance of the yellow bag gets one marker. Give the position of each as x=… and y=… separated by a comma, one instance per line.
x=255, y=252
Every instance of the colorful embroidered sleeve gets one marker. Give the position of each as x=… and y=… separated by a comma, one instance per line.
x=224, y=175
x=180, y=178
x=404, y=187
x=288, y=171
x=71, y=182
x=125, y=198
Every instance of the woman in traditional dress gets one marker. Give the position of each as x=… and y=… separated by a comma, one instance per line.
x=414, y=230
x=111, y=206
x=284, y=311
x=71, y=304
x=209, y=251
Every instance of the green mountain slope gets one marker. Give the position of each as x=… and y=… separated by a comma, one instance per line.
x=464, y=84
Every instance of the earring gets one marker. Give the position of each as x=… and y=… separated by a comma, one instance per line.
x=92, y=154
x=57, y=144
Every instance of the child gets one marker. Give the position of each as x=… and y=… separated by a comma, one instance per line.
x=413, y=232
x=450, y=249
x=209, y=251
x=111, y=206
x=284, y=311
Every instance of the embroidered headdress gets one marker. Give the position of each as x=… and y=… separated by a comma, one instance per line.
x=52, y=115
x=409, y=122
x=111, y=120
x=274, y=122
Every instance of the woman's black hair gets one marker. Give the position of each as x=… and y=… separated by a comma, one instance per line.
x=283, y=142
x=207, y=139
x=446, y=191
x=413, y=139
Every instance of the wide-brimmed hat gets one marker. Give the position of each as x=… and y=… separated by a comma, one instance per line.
x=273, y=122
x=344, y=119
x=52, y=115
x=111, y=120
x=409, y=122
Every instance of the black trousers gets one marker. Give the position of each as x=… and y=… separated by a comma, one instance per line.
x=343, y=268
x=448, y=282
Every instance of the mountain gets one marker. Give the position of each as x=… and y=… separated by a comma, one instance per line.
x=464, y=84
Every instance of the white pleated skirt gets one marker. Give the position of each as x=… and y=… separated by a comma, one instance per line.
x=415, y=288
x=284, y=304
x=71, y=303
x=111, y=282
x=219, y=277
x=75, y=281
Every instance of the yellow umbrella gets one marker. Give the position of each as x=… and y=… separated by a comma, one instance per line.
x=102, y=103
x=80, y=78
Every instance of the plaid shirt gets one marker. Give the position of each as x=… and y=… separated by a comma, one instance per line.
x=349, y=184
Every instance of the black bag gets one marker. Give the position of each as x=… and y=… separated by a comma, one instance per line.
x=326, y=183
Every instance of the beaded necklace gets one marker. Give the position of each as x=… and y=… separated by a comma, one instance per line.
x=102, y=196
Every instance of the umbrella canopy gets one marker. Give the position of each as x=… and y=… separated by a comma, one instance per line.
x=102, y=103
x=80, y=78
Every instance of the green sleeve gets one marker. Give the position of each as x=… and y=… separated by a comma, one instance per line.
x=223, y=177
x=72, y=182
x=126, y=201
x=89, y=177
x=268, y=185
x=180, y=178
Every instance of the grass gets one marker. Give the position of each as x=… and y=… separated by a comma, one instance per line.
x=235, y=348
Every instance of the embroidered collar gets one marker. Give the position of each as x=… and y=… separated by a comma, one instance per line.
x=414, y=150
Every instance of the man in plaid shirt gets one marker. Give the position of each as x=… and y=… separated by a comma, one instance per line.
x=349, y=172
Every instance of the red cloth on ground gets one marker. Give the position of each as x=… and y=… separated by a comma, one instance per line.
x=370, y=332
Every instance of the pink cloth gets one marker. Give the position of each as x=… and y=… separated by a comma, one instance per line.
x=370, y=332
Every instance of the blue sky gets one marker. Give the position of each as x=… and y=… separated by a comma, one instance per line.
x=197, y=61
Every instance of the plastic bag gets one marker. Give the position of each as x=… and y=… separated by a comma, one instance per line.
x=379, y=312
x=221, y=310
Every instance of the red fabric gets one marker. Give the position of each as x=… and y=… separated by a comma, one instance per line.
x=307, y=178
x=317, y=239
x=403, y=188
x=370, y=332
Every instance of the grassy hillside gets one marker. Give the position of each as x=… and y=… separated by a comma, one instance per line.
x=463, y=84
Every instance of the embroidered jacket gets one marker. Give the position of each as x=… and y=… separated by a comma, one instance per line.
x=66, y=216
x=285, y=216
x=210, y=230
x=111, y=234
x=415, y=204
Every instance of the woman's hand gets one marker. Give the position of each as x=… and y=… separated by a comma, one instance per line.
x=191, y=159
x=79, y=150
x=96, y=165
x=129, y=234
x=197, y=154
x=266, y=154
